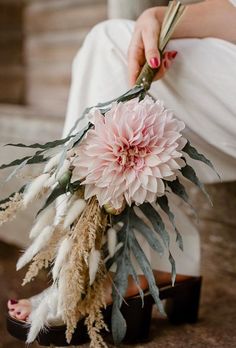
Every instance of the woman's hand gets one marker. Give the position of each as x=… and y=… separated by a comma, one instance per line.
x=143, y=47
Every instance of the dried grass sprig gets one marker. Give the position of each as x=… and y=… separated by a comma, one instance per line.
x=76, y=297
x=9, y=209
x=45, y=257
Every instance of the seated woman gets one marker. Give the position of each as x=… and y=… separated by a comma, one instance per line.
x=199, y=87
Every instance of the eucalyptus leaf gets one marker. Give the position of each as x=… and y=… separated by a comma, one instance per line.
x=118, y=292
x=75, y=140
x=164, y=204
x=178, y=189
x=15, y=162
x=136, y=280
x=189, y=173
x=48, y=145
x=36, y=159
x=156, y=221
x=147, y=270
x=194, y=154
x=147, y=232
x=118, y=325
x=173, y=268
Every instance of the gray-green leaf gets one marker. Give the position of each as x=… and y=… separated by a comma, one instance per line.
x=194, y=154
x=147, y=232
x=147, y=271
x=189, y=173
x=156, y=221
x=164, y=204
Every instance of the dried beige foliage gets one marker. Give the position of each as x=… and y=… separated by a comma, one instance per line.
x=45, y=257
x=77, y=298
x=10, y=209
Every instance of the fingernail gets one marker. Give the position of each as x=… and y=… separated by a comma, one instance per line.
x=13, y=302
x=154, y=62
x=174, y=54
x=18, y=313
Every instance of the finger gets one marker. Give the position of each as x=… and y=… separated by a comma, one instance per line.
x=166, y=63
x=150, y=40
x=136, y=57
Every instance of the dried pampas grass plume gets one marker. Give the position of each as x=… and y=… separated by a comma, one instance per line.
x=35, y=247
x=61, y=257
x=76, y=297
x=44, y=219
x=9, y=209
x=45, y=257
x=34, y=188
x=74, y=212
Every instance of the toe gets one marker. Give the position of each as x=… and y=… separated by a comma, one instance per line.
x=11, y=304
x=22, y=314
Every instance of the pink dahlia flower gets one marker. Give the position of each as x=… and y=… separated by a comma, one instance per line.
x=129, y=152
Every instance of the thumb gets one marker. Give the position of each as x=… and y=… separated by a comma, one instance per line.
x=150, y=41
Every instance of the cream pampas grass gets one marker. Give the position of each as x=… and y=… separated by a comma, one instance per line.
x=44, y=310
x=62, y=204
x=34, y=188
x=45, y=257
x=76, y=297
x=44, y=219
x=61, y=257
x=64, y=168
x=35, y=247
x=53, y=162
x=74, y=212
x=94, y=259
x=112, y=241
x=38, y=319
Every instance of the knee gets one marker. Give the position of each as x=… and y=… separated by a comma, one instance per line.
x=105, y=35
x=109, y=28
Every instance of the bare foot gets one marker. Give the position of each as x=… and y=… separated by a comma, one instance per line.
x=19, y=309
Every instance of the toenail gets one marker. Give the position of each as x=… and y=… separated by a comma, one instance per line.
x=13, y=302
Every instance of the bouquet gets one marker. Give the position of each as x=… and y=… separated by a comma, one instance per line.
x=123, y=166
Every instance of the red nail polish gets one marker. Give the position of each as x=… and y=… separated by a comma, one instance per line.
x=18, y=313
x=12, y=302
x=154, y=62
x=174, y=54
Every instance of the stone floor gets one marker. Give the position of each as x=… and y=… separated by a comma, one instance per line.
x=216, y=326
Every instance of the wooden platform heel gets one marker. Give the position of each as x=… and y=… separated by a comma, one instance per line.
x=183, y=305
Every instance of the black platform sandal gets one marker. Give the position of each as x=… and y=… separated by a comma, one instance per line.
x=181, y=307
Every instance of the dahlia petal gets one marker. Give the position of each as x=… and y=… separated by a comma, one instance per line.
x=152, y=184
x=152, y=161
x=140, y=195
x=165, y=170
x=160, y=187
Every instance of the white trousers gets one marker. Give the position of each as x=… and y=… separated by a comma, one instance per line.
x=199, y=87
